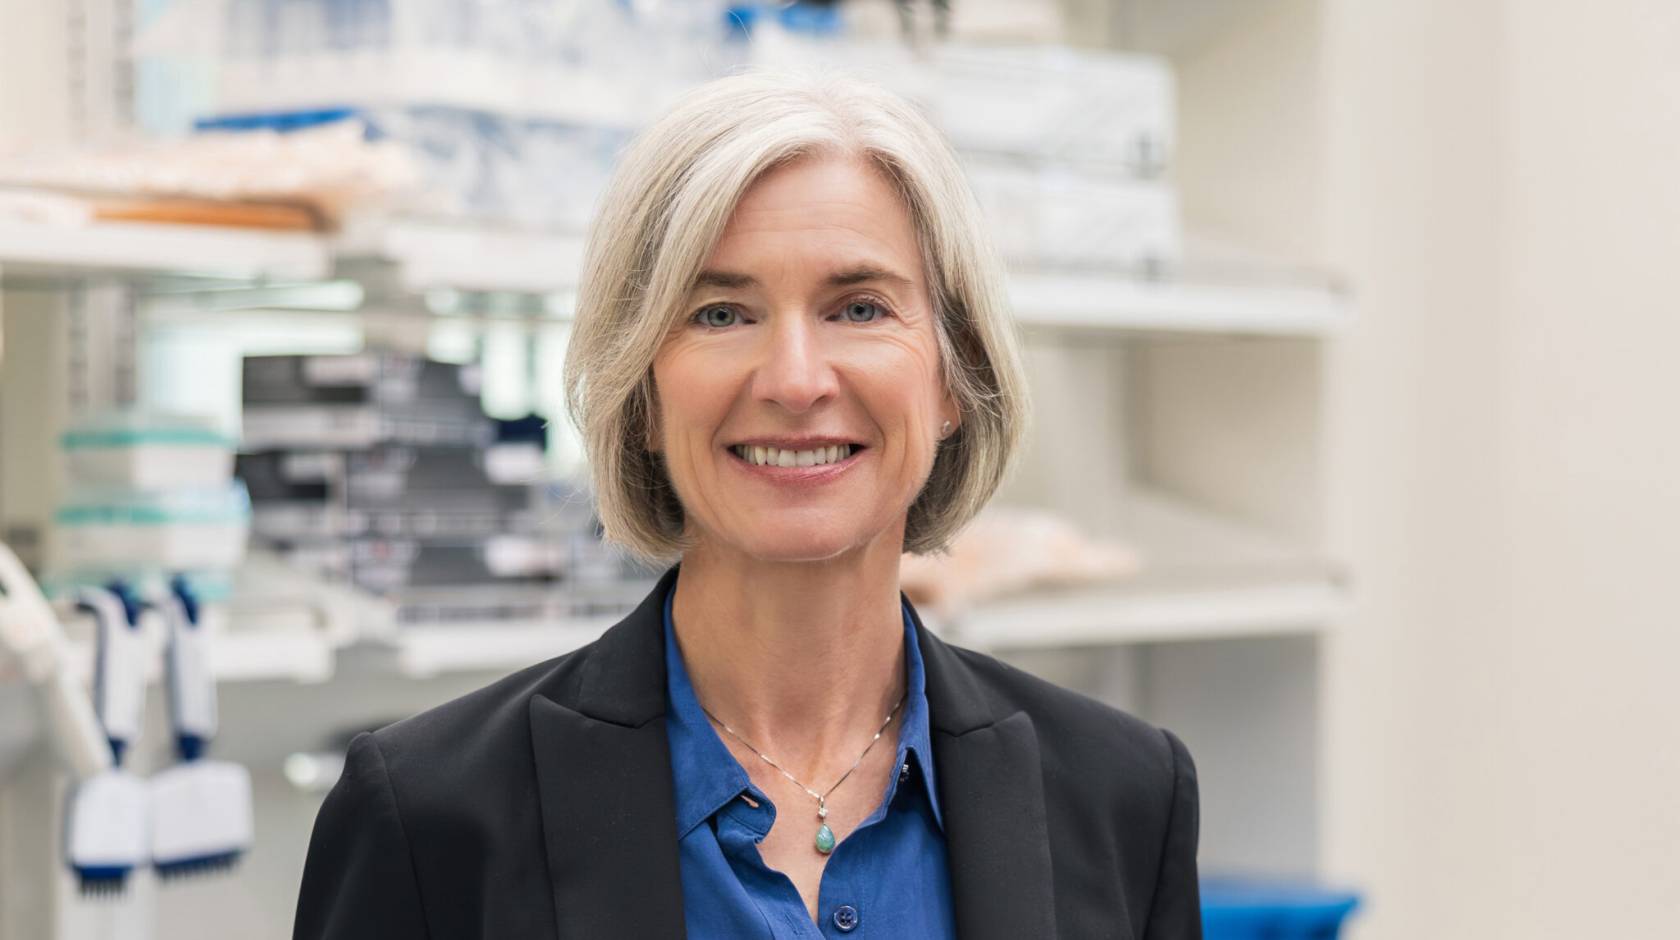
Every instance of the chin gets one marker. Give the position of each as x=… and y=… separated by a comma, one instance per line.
x=798, y=547
x=795, y=543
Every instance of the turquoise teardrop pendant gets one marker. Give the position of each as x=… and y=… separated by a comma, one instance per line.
x=825, y=835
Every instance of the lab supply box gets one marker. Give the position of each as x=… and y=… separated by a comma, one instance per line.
x=1057, y=217
x=359, y=401
x=127, y=531
x=146, y=451
x=1077, y=107
x=392, y=491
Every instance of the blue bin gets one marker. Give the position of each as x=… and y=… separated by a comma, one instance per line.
x=1251, y=909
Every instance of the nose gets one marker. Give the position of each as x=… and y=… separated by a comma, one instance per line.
x=794, y=370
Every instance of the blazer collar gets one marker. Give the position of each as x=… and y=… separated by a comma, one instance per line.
x=609, y=808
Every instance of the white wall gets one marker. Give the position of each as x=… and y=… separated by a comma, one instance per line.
x=1419, y=764
x=1500, y=741
x=1498, y=182
x=1590, y=408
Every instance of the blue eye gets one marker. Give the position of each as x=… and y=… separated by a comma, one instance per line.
x=704, y=316
x=857, y=311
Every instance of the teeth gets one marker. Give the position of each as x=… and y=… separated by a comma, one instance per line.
x=771, y=456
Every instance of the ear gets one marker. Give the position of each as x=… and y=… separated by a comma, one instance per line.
x=948, y=411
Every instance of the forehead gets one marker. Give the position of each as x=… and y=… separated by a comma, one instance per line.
x=829, y=208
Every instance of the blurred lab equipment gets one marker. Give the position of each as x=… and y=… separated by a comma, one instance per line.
x=31, y=636
x=107, y=821
x=148, y=494
x=200, y=807
x=380, y=469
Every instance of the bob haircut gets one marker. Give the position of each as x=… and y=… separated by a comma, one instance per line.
x=661, y=215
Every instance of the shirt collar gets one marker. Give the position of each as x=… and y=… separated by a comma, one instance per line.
x=708, y=776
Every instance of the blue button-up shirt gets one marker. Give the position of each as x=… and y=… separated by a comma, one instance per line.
x=887, y=878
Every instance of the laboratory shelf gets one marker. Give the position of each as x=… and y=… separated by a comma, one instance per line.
x=490, y=646
x=33, y=250
x=1201, y=576
x=1109, y=302
x=294, y=656
x=434, y=256
x=1144, y=613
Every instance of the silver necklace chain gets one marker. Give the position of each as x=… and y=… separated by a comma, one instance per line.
x=821, y=798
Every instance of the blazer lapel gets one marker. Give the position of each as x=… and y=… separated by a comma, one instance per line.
x=991, y=794
x=609, y=809
x=604, y=783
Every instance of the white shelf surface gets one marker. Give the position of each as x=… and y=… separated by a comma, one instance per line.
x=439, y=256
x=271, y=655
x=1087, y=301
x=430, y=650
x=1142, y=614
x=32, y=248
x=1202, y=577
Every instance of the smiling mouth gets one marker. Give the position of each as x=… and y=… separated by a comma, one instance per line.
x=778, y=457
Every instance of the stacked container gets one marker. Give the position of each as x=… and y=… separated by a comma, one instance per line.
x=148, y=494
x=382, y=470
x=1066, y=149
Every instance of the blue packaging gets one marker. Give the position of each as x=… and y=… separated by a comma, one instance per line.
x=1250, y=909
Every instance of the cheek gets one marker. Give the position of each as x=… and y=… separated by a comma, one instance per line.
x=907, y=368
x=900, y=387
x=694, y=397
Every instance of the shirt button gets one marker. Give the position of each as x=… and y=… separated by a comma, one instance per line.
x=904, y=772
x=846, y=918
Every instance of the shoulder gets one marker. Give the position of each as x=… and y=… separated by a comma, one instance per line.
x=1085, y=743
x=473, y=740
x=436, y=820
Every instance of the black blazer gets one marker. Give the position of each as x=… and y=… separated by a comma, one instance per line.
x=541, y=807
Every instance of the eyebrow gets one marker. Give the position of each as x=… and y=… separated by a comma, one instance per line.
x=861, y=274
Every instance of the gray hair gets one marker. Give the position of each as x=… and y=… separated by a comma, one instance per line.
x=661, y=216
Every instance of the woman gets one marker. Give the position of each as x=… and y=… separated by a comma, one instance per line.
x=792, y=362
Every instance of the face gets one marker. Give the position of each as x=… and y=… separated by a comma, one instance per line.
x=808, y=338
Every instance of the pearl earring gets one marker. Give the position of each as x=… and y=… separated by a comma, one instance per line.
x=946, y=430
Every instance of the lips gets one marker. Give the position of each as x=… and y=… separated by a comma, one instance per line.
x=796, y=443
x=784, y=458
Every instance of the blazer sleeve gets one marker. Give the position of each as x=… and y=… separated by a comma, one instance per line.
x=358, y=879
x=1176, y=911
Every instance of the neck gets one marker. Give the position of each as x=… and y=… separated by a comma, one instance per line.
x=804, y=660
